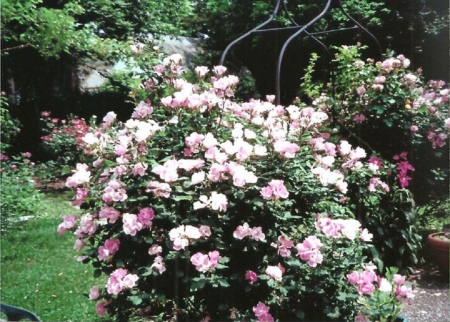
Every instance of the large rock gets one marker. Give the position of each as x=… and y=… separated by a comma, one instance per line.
x=92, y=75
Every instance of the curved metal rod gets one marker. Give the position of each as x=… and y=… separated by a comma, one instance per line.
x=280, y=57
x=360, y=26
x=275, y=11
x=319, y=42
x=306, y=32
x=310, y=35
x=289, y=16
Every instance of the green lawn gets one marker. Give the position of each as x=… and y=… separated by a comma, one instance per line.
x=39, y=271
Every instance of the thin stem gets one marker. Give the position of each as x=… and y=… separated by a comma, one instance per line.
x=17, y=47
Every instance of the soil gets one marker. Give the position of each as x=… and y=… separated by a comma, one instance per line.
x=431, y=302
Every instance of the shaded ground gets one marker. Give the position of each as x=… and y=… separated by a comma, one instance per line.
x=431, y=302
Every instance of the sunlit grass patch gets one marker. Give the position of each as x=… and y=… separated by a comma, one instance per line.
x=39, y=271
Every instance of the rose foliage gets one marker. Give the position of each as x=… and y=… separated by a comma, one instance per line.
x=204, y=208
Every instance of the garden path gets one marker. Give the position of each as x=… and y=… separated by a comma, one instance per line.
x=432, y=298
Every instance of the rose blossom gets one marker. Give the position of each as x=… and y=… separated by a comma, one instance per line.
x=145, y=216
x=198, y=177
x=203, y=262
x=399, y=279
x=158, y=265
x=80, y=176
x=100, y=308
x=131, y=225
x=353, y=278
x=275, y=189
x=110, y=247
x=181, y=235
x=242, y=231
x=262, y=313
x=218, y=201
x=251, y=276
x=360, y=317
x=385, y=286
x=94, y=293
x=79, y=244
x=155, y=249
x=119, y=280
x=68, y=223
x=274, y=272
x=309, y=251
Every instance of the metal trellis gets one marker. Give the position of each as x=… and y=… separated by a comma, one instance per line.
x=281, y=5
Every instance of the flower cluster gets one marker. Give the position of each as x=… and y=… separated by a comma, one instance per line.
x=262, y=312
x=403, y=166
x=181, y=235
x=119, y=280
x=309, y=251
x=203, y=262
x=62, y=142
x=379, y=295
x=74, y=127
x=336, y=228
x=244, y=231
x=388, y=99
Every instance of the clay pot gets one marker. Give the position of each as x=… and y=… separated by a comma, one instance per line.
x=441, y=250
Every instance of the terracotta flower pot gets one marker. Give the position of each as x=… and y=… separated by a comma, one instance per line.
x=441, y=250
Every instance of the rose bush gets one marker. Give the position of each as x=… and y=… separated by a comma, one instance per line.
x=375, y=101
x=403, y=121
x=61, y=146
x=201, y=207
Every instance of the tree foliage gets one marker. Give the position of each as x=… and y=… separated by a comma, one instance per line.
x=87, y=28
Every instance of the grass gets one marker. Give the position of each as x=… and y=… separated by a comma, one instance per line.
x=38, y=267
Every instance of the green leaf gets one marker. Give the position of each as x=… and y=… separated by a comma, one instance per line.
x=240, y=195
x=136, y=300
x=178, y=198
x=300, y=314
x=97, y=273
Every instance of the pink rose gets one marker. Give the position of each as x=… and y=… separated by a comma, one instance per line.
x=94, y=293
x=155, y=249
x=100, y=308
x=219, y=70
x=68, y=223
x=257, y=234
x=251, y=276
x=399, y=279
x=353, y=277
x=414, y=128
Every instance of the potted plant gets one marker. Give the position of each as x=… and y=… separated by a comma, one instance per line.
x=440, y=245
x=438, y=227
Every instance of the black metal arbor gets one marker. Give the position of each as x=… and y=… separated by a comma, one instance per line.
x=281, y=5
